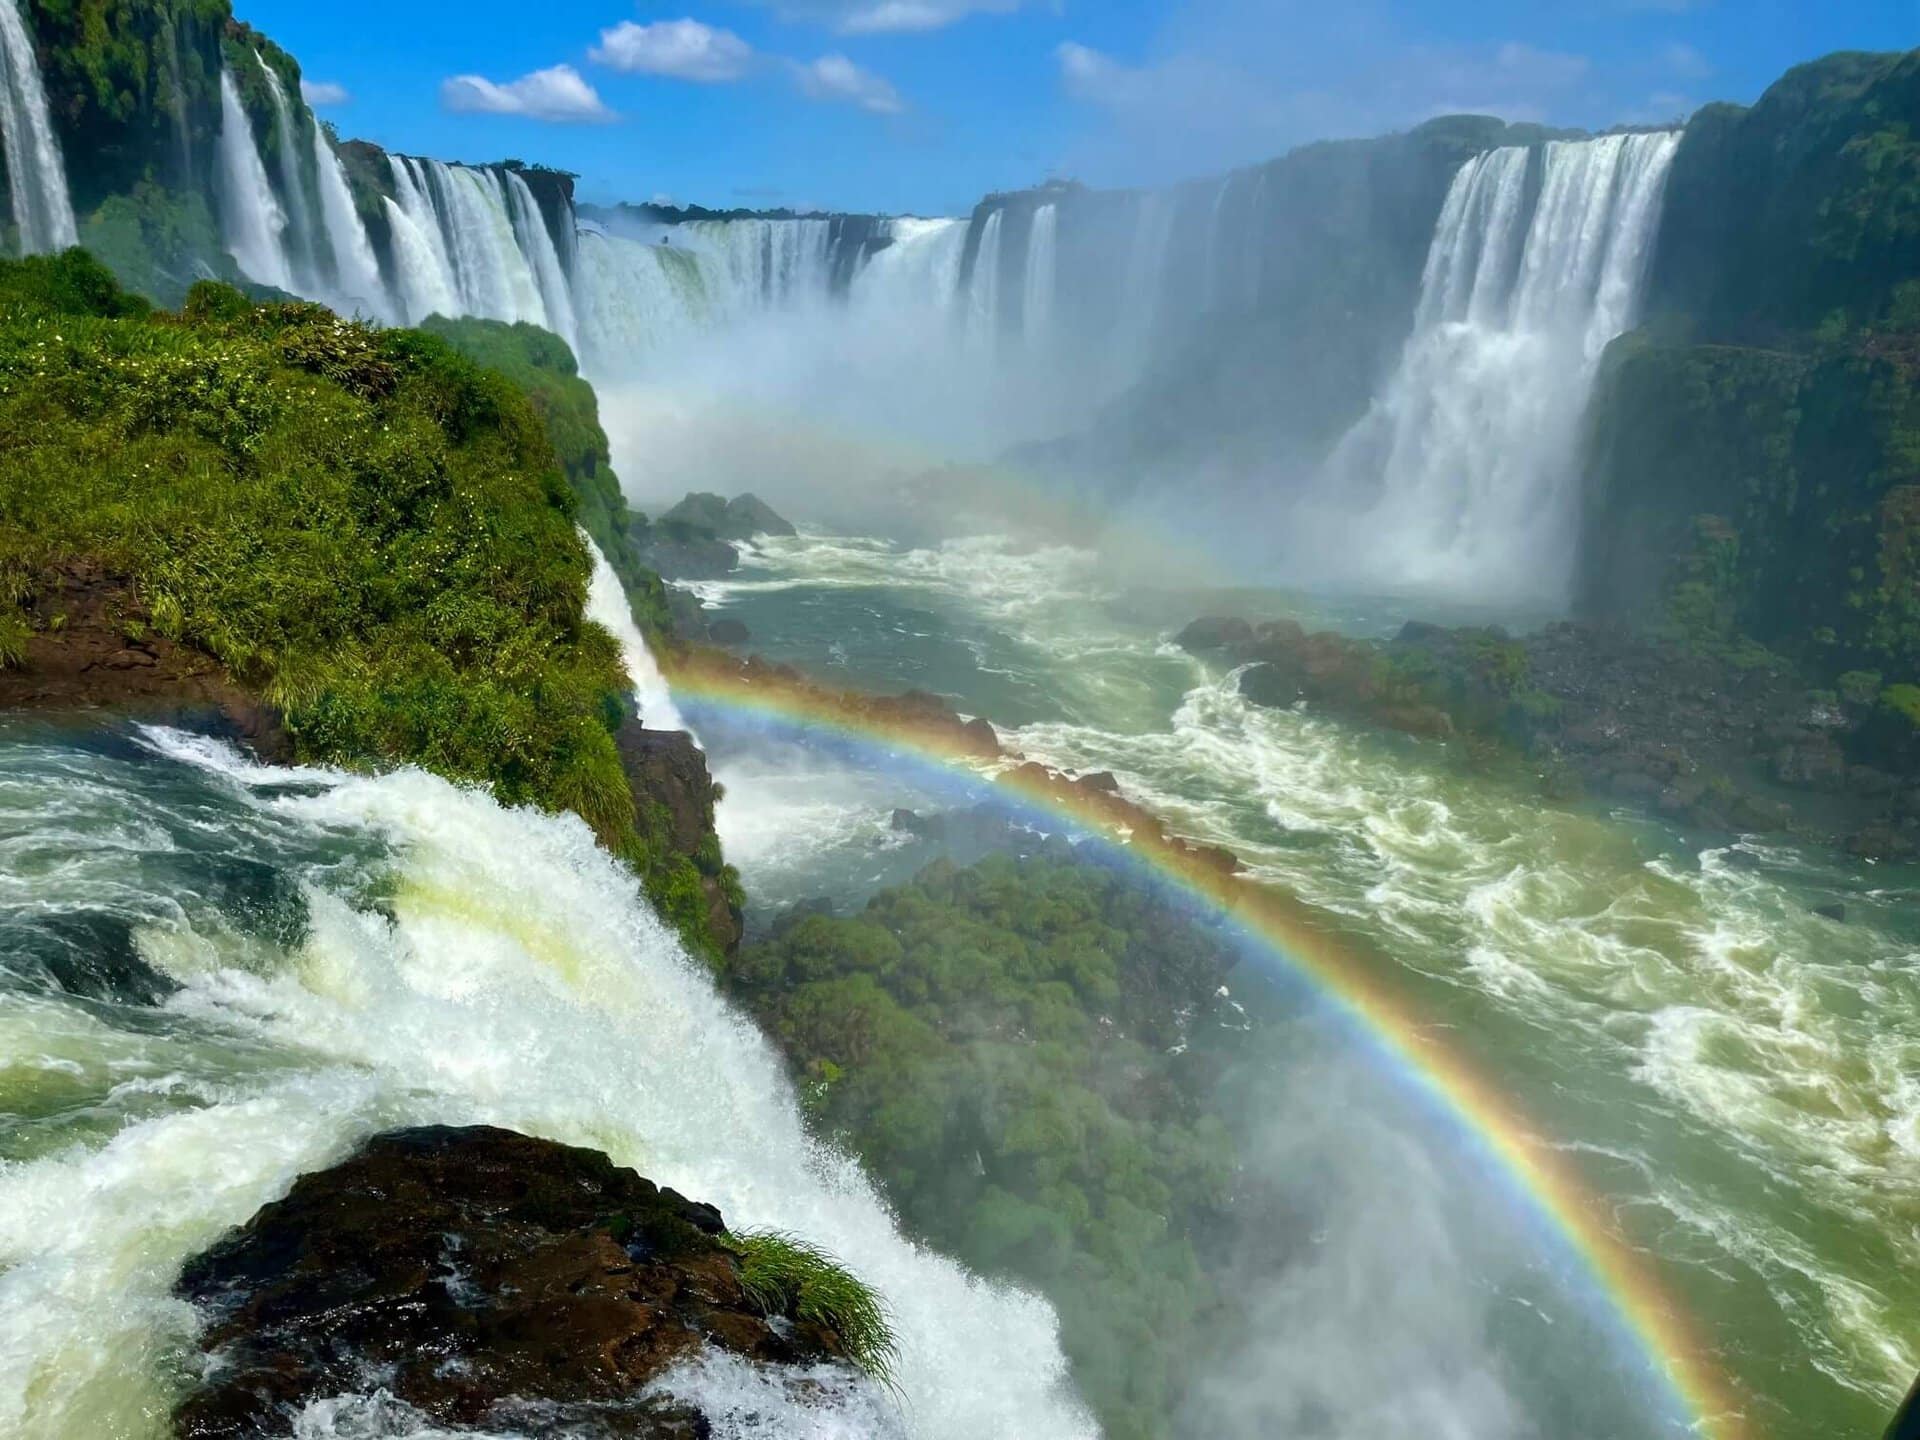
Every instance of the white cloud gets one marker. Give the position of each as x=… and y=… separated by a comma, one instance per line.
x=891, y=17
x=558, y=94
x=836, y=78
x=682, y=49
x=323, y=92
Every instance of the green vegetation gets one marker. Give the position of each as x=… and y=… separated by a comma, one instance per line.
x=364, y=526
x=540, y=363
x=1007, y=1047
x=785, y=1275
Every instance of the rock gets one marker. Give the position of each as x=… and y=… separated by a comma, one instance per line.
x=1273, y=686
x=748, y=515
x=1835, y=912
x=981, y=737
x=477, y=1273
x=728, y=631
x=678, y=553
x=1100, y=780
x=666, y=769
x=1215, y=632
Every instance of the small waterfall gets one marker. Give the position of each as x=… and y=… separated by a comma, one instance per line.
x=36, y=175
x=1471, y=447
x=288, y=154
x=918, y=270
x=983, y=297
x=607, y=606
x=1144, y=290
x=357, y=279
x=254, y=225
x=1037, y=307
x=530, y=232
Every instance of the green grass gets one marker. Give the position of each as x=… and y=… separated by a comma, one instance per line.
x=785, y=1275
x=364, y=526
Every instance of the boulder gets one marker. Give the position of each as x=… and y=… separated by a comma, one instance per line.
x=1215, y=632
x=666, y=769
x=486, y=1278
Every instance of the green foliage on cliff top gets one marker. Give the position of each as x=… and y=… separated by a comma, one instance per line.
x=363, y=525
x=1003, y=1047
x=541, y=364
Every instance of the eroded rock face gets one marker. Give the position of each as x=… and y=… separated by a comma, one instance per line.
x=667, y=769
x=478, y=1276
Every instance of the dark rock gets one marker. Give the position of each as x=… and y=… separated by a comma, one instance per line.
x=1271, y=685
x=728, y=631
x=1835, y=912
x=1101, y=780
x=1215, y=632
x=477, y=1273
x=748, y=515
x=670, y=779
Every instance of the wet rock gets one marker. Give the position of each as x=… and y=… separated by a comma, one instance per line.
x=1215, y=632
x=480, y=1275
x=1275, y=686
x=1835, y=912
x=728, y=631
x=670, y=780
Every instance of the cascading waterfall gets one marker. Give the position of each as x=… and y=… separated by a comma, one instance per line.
x=425, y=278
x=1043, y=263
x=761, y=263
x=1470, y=449
x=404, y=951
x=253, y=224
x=983, y=293
x=36, y=174
x=495, y=281
x=918, y=270
x=357, y=280
x=288, y=157
x=530, y=233
x=607, y=605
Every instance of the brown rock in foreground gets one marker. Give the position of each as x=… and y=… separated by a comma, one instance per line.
x=480, y=1275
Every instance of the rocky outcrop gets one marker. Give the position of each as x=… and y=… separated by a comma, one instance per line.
x=90, y=647
x=483, y=1278
x=675, y=794
x=741, y=518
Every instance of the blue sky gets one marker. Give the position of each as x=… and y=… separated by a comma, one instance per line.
x=924, y=105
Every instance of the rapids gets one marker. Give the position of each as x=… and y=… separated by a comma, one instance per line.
x=1731, y=1071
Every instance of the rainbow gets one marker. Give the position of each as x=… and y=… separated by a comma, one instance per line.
x=1361, y=990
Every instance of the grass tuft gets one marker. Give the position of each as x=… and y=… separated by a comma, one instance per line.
x=785, y=1275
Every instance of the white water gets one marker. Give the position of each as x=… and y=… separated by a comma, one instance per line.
x=1043, y=264
x=287, y=156
x=983, y=291
x=530, y=234
x=607, y=605
x=1470, y=449
x=253, y=224
x=36, y=173
x=425, y=278
x=493, y=279
x=357, y=281
x=505, y=971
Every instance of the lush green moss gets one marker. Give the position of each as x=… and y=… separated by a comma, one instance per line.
x=1004, y=1047
x=364, y=525
x=785, y=1275
x=541, y=364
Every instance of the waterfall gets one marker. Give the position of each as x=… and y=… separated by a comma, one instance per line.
x=634, y=300
x=983, y=297
x=1470, y=449
x=357, y=279
x=425, y=273
x=36, y=175
x=1042, y=269
x=920, y=269
x=491, y=276
x=760, y=263
x=253, y=223
x=530, y=231
x=287, y=157
x=455, y=962
x=607, y=605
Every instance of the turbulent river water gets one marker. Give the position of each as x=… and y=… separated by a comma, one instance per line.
x=1738, y=1076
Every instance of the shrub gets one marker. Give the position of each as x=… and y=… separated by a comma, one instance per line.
x=785, y=1275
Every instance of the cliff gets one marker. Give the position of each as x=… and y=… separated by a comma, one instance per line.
x=354, y=541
